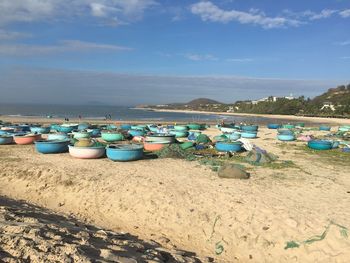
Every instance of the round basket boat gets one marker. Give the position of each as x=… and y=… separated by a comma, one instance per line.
x=233, y=136
x=228, y=146
x=81, y=134
x=83, y=126
x=67, y=128
x=154, y=146
x=57, y=136
x=179, y=134
x=125, y=126
x=26, y=139
x=52, y=146
x=249, y=134
x=273, y=126
x=285, y=131
x=320, y=144
x=6, y=139
x=112, y=136
x=286, y=137
x=41, y=130
x=194, y=126
x=136, y=132
x=95, y=132
x=288, y=126
x=228, y=129
x=181, y=128
x=324, y=128
x=124, y=152
x=161, y=138
x=249, y=128
x=87, y=152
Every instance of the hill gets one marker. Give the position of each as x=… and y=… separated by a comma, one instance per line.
x=202, y=101
x=337, y=96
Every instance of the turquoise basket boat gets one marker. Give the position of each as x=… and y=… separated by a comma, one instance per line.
x=320, y=145
x=234, y=136
x=136, y=132
x=249, y=134
x=124, y=152
x=112, y=136
x=181, y=128
x=52, y=146
x=249, y=128
x=228, y=146
x=273, y=126
x=6, y=139
x=40, y=130
x=324, y=128
x=179, y=134
x=286, y=137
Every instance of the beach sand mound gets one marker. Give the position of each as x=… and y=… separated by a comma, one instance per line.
x=30, y=233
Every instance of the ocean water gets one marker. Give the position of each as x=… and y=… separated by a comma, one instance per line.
x=116, y=112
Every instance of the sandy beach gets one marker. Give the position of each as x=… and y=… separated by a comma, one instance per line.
x=184, y=205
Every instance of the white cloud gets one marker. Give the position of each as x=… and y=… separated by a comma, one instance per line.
x=311, y=15
x=345, y=13
x=210, y=12
x=325, y=13
x=52, y=86
x=63, y=46
x=12, y=11
x=200, y=57
x=343, y=43
x=11, y=35
x=239, y=59
x=347, y=57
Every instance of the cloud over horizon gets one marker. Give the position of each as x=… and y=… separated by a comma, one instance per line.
x=20, y=85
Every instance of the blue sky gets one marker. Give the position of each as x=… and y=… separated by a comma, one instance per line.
x=250, y=48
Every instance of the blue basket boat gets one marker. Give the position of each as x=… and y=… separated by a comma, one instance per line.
x=124, y=152
x=136, y=132
x=95, y=132
x=6, y=139
x=249, y=134
x=233, y=136
x=228, y=146
x=320, y=144
x=249, y=127
x=274, y=126
x=52, y=146
x=286, y=137
x=324, y=128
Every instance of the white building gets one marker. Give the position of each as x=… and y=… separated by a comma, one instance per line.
x=328, y=105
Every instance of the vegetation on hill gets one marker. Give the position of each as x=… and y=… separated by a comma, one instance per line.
x=333, y=103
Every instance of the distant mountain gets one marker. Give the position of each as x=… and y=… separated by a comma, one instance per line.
x=202, y=101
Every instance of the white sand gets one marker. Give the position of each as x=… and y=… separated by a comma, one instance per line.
x=166, y=199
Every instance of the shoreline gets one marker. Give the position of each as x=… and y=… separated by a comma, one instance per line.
x=267, y=116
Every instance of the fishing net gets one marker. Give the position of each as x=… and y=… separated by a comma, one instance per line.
x=202, y=138
x=175, y=151
x=294, y=244
x=258, y=156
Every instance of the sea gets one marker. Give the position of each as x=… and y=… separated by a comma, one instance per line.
x=116, y=113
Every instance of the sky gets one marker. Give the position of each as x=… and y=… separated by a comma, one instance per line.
x=126, y=52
